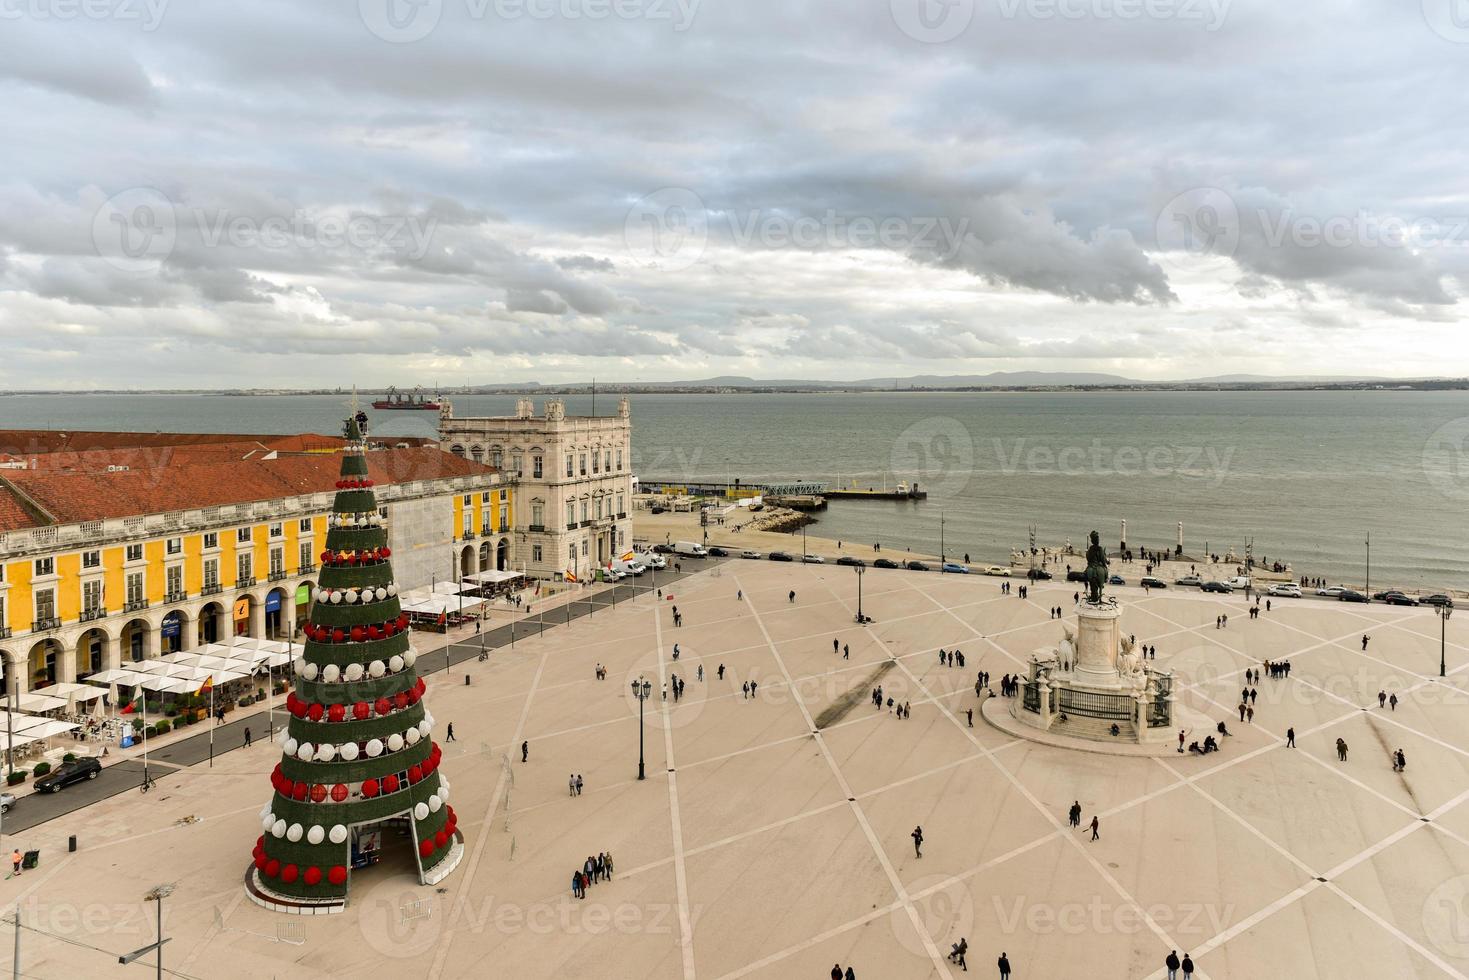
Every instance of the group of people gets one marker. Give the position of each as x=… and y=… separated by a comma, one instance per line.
x=901, y=710
x=837, y=974
x=951, y=658
x=573, y=783
x=1274, y=668
x=1174, y=964
x=1074, y=819
x=1009, y=686
x=1021, y=593
x=1220, y=622
x=981, y=681
x=747, y=688
x=595, y=869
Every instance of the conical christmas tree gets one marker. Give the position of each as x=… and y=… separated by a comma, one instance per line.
x=359, y=752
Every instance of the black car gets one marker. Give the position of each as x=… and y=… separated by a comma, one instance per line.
x=885, y=563
x=916, y=566
x=718, y=553
x=1399, y=599
x=1039, y=575
x=1215, y=587
x=849, y=560
x=68, y=773
x=1076, y=576
x=662, y=549
x=1153, y=582
x=1347, y=595
x=1437, y=599
x=780, y=556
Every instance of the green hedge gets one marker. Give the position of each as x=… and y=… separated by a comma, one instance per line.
x=19, y=776
x=163, y=727
x=41, y=769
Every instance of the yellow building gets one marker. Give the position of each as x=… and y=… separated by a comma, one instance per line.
x=103, y=563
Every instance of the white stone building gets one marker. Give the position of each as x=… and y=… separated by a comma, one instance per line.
x=572, y=478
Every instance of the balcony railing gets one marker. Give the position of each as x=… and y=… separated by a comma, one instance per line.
x=90, y=614
x=211, y=588
x=306, y=569
x=469, y=536
x=277, y=574
x=4, y=632
x=537, y=528
x=571, y=526
x=133, y=605
x=179, y=596
x=244, y=581
x=49, y=623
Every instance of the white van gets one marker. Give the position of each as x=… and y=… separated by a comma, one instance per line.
x=631, y=567
x=1238, y=582
x=690, y=549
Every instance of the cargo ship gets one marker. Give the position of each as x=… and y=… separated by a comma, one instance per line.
x=396, y=400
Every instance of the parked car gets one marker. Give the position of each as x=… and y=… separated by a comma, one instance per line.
x=1352, y=595
x=997, y=570
x=954, y=568
x=780, y=556
x=68, y=773
x=1188, y=580
x=813, y=559
x=1153, y=582
x=917, y=566
x=1074, y=576
x=1400, y=599
x=1238, y=582
x=662, y=549
x=1039, y=575
x=1332, y=591
x=849, y=560
x=1116, y=580
x=749, y=554
x=655, y=561
x=885, y=563
x=1215, y=587
x=7, y=800
x=1284, y=590
x=718, y=553
x=1437, y=599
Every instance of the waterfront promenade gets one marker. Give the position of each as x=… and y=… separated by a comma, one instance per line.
x=772, y=835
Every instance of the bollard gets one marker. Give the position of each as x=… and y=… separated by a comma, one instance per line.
x=71, y=844
x=466, y=680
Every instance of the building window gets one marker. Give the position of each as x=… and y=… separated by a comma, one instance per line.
x=621, y=538
x=211, y=539
x=174, y=546
x=516, y=461
x=538, y=515
x=277, y=531
x=211, y=573
x=457, y=450
x=45, y=605
x=242, y=568
x=497, y=458
x=135, y=588
x=277, y=561
x=134, y=552
x=535, y=466
x=484, y=498
x=598, y=514
x=174, y=579
x=585, y=510
x=504, y=517
x=242, y=535
x=571, y=512
x=305, y=556
x=596, y=457
x=621, y=509
x=477, y=453
x=2, y=612
x=607, y=461
x=535, y=553
x=91, y=559
x=583, y=547
x=569, y=464
x=92, y=599
x=468, y=499
x=619, y=460
x=583, y=464
x=45, y=566
x=304, y=525
x=571, y=553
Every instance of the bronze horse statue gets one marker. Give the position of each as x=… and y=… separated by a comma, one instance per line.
x=1096, y=569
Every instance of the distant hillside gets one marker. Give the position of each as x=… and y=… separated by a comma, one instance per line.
x=997, y=379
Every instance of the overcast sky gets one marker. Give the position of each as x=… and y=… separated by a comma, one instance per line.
x=213, y=194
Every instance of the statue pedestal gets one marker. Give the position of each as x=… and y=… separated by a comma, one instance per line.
x=1098, y=638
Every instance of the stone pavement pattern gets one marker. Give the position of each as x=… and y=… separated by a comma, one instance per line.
x=755, y=849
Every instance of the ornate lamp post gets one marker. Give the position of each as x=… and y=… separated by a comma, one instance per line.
x=641, y=689
x=1444, y=612
x=859, y=569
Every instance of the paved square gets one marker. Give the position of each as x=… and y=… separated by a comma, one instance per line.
x=756, y=848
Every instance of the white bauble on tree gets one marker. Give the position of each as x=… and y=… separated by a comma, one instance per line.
x=395, y=663
x=338, y=834
x=306, y=752
x=354, y=672
x=330, y=673
x=278, y=829
x=294, y=833
x=420, y=811
x=348, y=751
x=435, y=803
x=374, y=748
x=395, y=742
x=377, y=668
x=326, y=752
x=316, y=834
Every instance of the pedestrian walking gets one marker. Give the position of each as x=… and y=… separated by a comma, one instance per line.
x=1341, y=750
x=1365, y=638
x=15, y=859
x=846, y=652
x=836, y=972
x=1171, y=962
x=970, y=714
x=721, y=671
x=449, y=733
x=571, y=785
x=524, y=751
x=1096, y=823
x=1188, y=967
x=1392, y=703
x=247, y=736
x=1004, y=965
x=1290, y=738
x=578, y=784
x=792, y=596
x=1381, y=697
x=701, y=673
x=917, y=836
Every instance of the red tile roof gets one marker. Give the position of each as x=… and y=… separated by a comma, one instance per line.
x=30, y=442
x=13, y=514
x=188, y=484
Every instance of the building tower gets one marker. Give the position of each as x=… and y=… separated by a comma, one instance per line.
x=359, y=767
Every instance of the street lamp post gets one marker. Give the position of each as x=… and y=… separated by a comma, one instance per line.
x=941, y=542
x=156, y=894
x=641, y=689
x=859, y=570
x=1444, y=612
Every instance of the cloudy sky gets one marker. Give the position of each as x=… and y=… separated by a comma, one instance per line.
x=208, y=194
